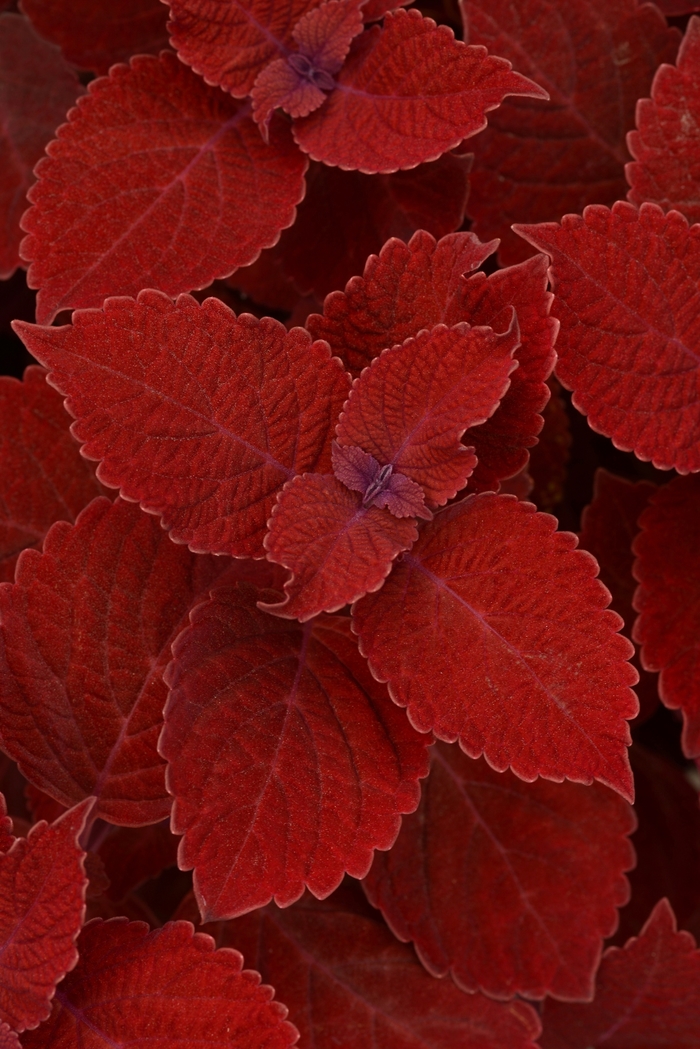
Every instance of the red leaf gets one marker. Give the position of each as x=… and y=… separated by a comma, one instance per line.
x=131, y=855
x=379, y=485
x=171, y=987
x=668, y=626
x=336, y=549
x=41, y=806
x=156, y=181
x=8, y=1038
x=538, y=161
x=508, y=886
x=673, y=8
x=84, y=637
x=374, y=10
x=6, y=835
x=646, y=996
x=626, y=293
x=493, y=631
x=550, y=456
x=198, y=414
x=406, y=94
x=36, y=90
x=96, y=35
x=288, y=763
x=43, y=477
x=42, y=903
x=411, y=407
x=666, y=146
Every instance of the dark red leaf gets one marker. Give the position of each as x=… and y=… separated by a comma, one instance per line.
x=41, y=805
x=336, y=549
x=646, y=995
x=325, y=33
x=43, y=477
x=42, y=903
x=550, y=456
x=510, y=887
x=198, y=414
x=37, y=88
x=156, y=181
x=85, y=635
x=172, y=987
x=666, y=146
x=538, y=161
x=6, y=835
x=406, y=94
x=96, y=35
x=493, y=631
x=626, y=293
x=374, y=10
x=8, y=1038
x=668, y=626
x=673, y=8
x=131, y=855
x=288, y=763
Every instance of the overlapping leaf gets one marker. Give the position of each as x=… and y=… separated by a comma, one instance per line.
x=626, y=293
x=85, y=633
x=673, y=8
x=199, y=415
x=493, y=631
x=156, y=181
x=407, y=93
x=538, y=161
x=646, y=995
x=549, y=458
x=172, y=986
x=131, y=855
x=668, y=626
x=42, y=903
x=288, y=763
x=6, y=835
x=37, y=89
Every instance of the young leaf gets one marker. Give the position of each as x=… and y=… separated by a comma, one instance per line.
x=156, y=181
x=668, y=626
x=510, y=887
x=407, y=93
x=85, y=635
x=646, y=995
x=42, y=903
x=198, y=414
x=537, y=161
x=626, y=293
x=37, y=88
x=172, y=986
x=43, y=477
x=666, y=144
x=288, y=763
x=493, y=631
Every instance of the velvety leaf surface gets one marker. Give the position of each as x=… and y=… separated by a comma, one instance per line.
x=288, y=763
x=411, y=407
x=539, y=160
x=407, y=93
x=198, y=414
x=646, y=995
x=156, y=181
x=96, y=35
x=42, y=903
x=666, y=144
x=171, y=988
x=336, y=549
x=43, y=477
x=37, y=89
x=8, y=1038
x=85, y=634
x=493, y=631
x=626, y=293
x=678, y=7
x=668, y=627
x=510, y=887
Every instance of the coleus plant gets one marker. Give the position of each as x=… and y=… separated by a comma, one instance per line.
x=322, y=635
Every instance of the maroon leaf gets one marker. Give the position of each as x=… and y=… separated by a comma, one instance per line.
x=549, y=458
x=85, y=634
x=198, y=414
x=673, y=8
x=131, y=855
x=6, y=836
x=156, y=181
x=8, y=1038
x=668, y=626
x=37, y=88
x=626, y=293
x=406, y=94
x=508, y=886
x=538, y=161
x=646, y=995
x=493, y=631
x=42, y=903
x=171, y=985
x=288, y=763
x=379, y=485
